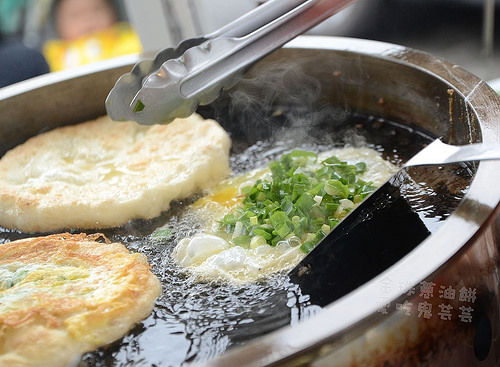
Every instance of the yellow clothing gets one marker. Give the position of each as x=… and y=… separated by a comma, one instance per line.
x=116, y=41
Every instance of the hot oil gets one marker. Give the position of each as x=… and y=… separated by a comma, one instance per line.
x=394, y=220
x=195, y=321
x=192, y=320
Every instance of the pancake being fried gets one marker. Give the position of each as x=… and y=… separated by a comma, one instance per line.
x=103, y=173
x=63, y=295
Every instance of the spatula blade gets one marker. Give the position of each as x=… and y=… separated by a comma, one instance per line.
x=374, y=236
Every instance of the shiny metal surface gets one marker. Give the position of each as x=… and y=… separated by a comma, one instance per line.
x=437, y=96
x=441, y=153
x=57, y=99
x=381, y=322
x=187, y=77
x=384, y=203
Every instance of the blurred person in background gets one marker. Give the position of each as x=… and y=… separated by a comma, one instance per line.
x=19, y=62
x=87, y=31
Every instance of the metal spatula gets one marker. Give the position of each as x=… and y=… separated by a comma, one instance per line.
x=437, y=153
x=378, y=232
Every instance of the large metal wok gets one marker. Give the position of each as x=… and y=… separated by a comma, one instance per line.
x=431, y=297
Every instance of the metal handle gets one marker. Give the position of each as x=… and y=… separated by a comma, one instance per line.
x=475, y=152
x=256, y=18
x=438, y=152
x=198, y=76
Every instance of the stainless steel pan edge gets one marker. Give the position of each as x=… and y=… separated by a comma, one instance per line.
x=463, y=251
x=56, y=99
x=354, y=330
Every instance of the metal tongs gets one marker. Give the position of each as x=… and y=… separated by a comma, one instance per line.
x=194, y=73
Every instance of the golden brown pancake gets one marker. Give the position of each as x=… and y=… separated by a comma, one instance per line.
x=63, y=295
x=103, y=173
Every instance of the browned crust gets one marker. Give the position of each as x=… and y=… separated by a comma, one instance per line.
x=79, y=294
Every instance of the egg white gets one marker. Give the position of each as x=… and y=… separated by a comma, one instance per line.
x=211, y=257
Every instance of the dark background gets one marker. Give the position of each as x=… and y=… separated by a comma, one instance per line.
x=451, y=29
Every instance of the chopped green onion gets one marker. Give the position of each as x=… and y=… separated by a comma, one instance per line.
x=257, y=241
x=242, y=240
x=139, y=106
x=162, y=233
x=304, y=201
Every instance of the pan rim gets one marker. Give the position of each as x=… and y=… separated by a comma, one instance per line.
x=358, y=309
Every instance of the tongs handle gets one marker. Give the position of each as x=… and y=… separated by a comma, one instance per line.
x=255, y=19
x=197, y=77
x=120, y=98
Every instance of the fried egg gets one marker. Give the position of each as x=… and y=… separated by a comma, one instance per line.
x=211, y=257
x=63, y=295
x=103, y=173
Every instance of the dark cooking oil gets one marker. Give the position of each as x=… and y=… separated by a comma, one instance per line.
x=195, y=321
